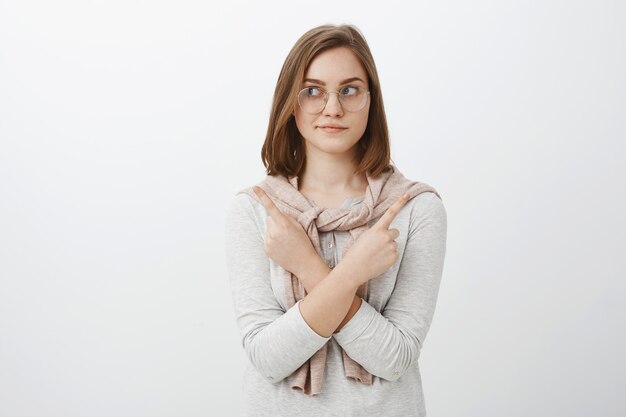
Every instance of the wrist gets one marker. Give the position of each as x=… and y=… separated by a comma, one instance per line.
x=356, y=304
x=348, y=273
x=313, y=271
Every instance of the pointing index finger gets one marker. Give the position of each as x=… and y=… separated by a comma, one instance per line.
x=391, y=213
x=267, y=202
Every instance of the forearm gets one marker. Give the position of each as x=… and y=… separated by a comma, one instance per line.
x=313, y=273
x=399, y=329
x=397, y=350
x=331, y=302
x=277, y=342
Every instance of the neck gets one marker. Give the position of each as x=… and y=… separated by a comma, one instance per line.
x=331, y=173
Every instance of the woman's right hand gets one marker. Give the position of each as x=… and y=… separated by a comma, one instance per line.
x=375, y=251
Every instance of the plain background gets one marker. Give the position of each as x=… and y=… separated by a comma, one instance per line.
x=126, y=128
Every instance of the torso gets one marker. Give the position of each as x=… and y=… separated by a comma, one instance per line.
x=339, y=393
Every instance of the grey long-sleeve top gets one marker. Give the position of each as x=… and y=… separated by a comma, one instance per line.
x=384, y=336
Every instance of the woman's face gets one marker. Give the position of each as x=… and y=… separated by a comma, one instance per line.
x=333, y=130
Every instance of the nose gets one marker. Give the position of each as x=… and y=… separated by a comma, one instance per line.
x=333, y=105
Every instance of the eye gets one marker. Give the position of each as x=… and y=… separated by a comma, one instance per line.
x=349, y=91
x=314, y=91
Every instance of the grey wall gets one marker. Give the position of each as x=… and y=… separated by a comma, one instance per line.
x=127, y=126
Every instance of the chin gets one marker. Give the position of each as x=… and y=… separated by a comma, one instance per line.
x=337, y=148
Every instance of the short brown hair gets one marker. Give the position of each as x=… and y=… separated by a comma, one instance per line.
x=283, y=151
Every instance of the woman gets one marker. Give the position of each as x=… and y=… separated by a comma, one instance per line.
x=333, y=304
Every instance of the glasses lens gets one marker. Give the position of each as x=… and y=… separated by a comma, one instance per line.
x=353, y=99
x=311, y=100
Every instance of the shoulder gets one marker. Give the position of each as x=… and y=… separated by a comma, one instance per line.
x=243, y=209
x=427, y=207
x=427, y=202
x=243, y=198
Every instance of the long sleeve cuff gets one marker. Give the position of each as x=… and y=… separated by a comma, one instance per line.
x=287, y=343
x=357, y=325
x=303, y=330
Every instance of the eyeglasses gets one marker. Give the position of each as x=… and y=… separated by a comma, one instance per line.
x=312, y=100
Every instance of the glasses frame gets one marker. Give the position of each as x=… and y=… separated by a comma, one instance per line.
x=326, y=95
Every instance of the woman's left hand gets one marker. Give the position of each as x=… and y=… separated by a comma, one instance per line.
x=286, y=242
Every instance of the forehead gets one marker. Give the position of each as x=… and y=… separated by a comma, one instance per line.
x=334, y=65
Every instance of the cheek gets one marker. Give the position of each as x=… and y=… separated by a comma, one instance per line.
x=303, y=121
x=364, y=119
x=364, y=116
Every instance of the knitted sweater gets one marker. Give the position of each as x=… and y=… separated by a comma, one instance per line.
x=385, y=336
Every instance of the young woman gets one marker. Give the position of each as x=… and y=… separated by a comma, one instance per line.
x=335, y=258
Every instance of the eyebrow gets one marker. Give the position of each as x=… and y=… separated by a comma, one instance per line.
x=346, y=81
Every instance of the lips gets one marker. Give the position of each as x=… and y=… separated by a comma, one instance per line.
x=332, y=128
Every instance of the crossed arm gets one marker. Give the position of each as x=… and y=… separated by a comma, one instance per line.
x=327, y=305
x=385, y=343
x=315, y=271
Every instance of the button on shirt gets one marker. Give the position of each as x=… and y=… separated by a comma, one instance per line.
x=329, y=254
x=385, y=335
